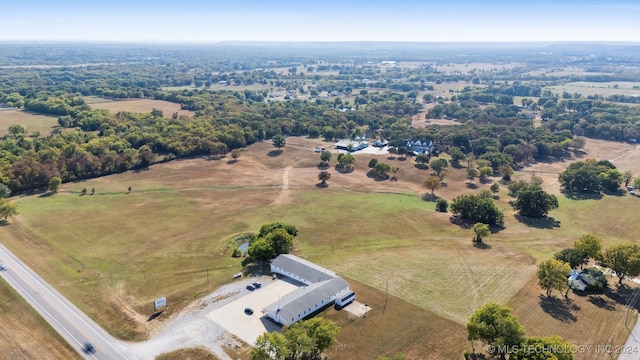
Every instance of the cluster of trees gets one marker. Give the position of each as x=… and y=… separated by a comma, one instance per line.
x=304, y=340
x=7, y=208
x=531, y=200
x=591, y=177
x=552, y=274
x=494, y=325
x=624, y=259
x=274, y=238
x=477, y=208
x=381, y=169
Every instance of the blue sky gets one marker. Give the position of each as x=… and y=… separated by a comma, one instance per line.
x=327, y=20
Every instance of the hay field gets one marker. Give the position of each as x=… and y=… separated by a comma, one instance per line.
x=26, y=335
x=31, y=121
x=138, y=106
x=113, y=253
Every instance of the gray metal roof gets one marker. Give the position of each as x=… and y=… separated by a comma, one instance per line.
x=303, y=268
x=306, y=297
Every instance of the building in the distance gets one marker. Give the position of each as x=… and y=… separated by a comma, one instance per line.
x=321, y=288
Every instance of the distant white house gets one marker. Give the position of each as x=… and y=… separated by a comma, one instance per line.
x=322, y=287
x=419, y=146
x=356, y=144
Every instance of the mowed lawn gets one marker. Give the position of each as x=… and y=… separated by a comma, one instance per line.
x=112, y=253
x=26, y=335
x=31, y=121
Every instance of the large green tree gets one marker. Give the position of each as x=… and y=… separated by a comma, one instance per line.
x=54, y=184
x=274, y=238
x=5, y=192
x=546, y=348
x=438, y=166
x=532, y=201
x=323, y=176
x=480, y=230
x=7, y=209
x=493, y=324
x=624, y=259
x=304, y=340
x=432, y=183
x=572, y=256
x=552, y=275
x=590, y=244
x=325, y=156
x=278, y=141
x=477, y=208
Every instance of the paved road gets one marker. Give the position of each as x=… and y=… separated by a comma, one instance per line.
x=631, y=349
x=71, y=323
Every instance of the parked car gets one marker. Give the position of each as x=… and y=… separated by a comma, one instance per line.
x=257, y=284
x=250, y=287
x=248, y=311
x=237, y=276
x=632, y=192
x=3, y=267
x=88, y=348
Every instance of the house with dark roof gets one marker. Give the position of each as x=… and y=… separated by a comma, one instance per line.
x=321, y=287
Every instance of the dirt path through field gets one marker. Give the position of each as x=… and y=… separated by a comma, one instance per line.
x=285, y=178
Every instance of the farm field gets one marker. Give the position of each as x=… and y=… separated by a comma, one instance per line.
x=138, y=106
x=31, y=121
x=26, y=335
x=112, y=253
x=597, y=88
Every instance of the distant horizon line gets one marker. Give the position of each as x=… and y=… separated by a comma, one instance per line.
x=192, y=42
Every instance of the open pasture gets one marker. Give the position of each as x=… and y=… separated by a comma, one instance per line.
x=139, y=106
x=31, y=121
x=598, y=88
x=112, y=253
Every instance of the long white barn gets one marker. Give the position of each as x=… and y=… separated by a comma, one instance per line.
x=322, y=287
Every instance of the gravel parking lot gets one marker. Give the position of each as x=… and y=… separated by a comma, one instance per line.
x=248, y=327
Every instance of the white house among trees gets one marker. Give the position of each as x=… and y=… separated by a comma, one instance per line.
x=322, y=287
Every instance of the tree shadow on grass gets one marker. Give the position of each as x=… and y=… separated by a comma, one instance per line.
x=623, y=295
x=559, y=309
x=232, y=161
x=4, y=222
x=481, y=245
x=344, y=169
x=274, y=153
x=422, y=166
x=542, y=223
x=322, y=185
x=47, y=194
x=471, y=185
x=154, y=316
x=377, y=176
x=601, y=302
x=323, y=165
x=429, y=197
x=582, y=196
x=463, y=223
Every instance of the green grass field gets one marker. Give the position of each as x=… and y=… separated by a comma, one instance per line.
x=113, y=253
x=32, y=122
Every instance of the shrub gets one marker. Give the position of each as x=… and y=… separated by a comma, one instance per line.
x=442, y=205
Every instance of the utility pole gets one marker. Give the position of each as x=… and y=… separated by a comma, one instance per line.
x=386, y=297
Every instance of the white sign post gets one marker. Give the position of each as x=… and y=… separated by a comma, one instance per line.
x=160, y=302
